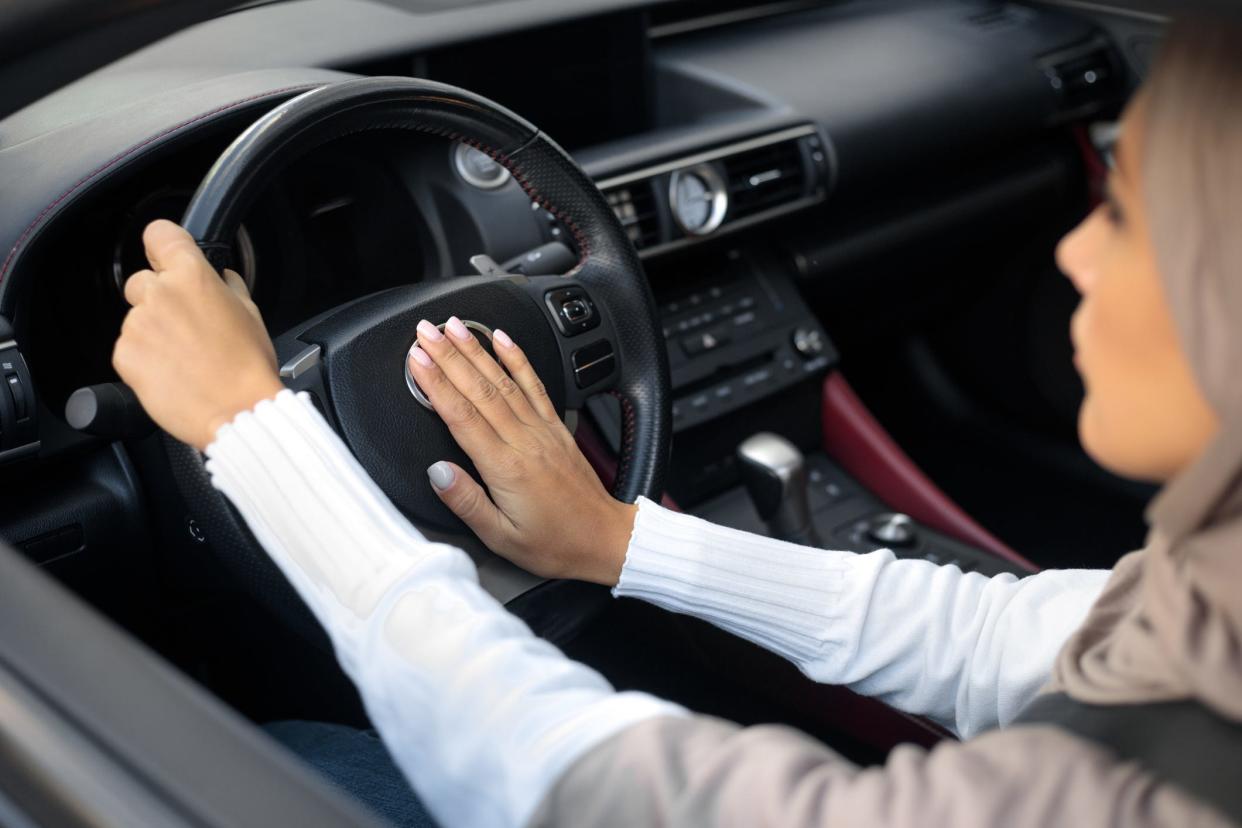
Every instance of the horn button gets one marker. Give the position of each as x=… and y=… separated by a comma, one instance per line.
x=481, y=332
x=382, y=414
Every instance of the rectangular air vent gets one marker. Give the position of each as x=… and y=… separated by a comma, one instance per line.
x=746, y=182
x=763, y=178
x=635, y=207
x=1084, y=77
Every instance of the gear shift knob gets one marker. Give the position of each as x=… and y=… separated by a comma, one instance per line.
x=774, y=473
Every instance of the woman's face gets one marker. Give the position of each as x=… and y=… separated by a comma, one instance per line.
x=1144, y=416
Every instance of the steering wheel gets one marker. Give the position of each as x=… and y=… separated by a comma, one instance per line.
x=590, y=331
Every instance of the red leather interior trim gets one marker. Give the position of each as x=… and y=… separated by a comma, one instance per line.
x=856, y=440
x=1093, y=164
x=601, y=458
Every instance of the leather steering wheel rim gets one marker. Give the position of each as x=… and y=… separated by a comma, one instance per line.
x=608, y=266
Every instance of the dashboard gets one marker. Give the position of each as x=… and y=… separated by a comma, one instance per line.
x=365, y=214
x=754, y=152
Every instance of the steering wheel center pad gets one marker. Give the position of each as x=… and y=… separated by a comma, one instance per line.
x=393, y=436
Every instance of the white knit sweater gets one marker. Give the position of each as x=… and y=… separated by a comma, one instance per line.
x=483, y=717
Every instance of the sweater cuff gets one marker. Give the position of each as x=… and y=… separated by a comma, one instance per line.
x=797, y=601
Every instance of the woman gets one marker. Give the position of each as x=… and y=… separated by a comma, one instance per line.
x=494, y=727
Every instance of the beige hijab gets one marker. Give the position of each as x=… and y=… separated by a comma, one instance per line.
x=1169, y=624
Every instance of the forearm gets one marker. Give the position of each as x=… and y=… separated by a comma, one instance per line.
x=480, y=714
x=965, y=650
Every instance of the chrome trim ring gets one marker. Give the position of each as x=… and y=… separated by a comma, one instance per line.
x=717, y=190
x=409, y=378
x=461, y=152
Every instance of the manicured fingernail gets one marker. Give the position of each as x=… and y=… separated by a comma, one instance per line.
x=429, y=332
x=420, y=356
x=457, y=329
x=441, y=475
x=503, y=338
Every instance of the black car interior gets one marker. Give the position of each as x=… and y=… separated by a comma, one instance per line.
x=812, y=190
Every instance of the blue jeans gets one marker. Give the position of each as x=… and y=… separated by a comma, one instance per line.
x=357, y=762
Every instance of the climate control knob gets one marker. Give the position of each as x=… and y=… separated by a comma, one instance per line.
x=808, y=342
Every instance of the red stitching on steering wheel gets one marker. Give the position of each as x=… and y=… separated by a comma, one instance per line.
x=584, y=246
x=118, y=158
x=627, y=434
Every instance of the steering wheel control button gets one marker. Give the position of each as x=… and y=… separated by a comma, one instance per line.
x=893, y=530
x=576, y=311
x=481, y=332
x=593, y=364
x=573, y=310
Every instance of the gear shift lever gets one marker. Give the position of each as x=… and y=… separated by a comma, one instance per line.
x=775, y=476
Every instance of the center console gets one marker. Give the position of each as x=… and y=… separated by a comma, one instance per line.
x=845, y=515
x=746, y=355
x=738, y=333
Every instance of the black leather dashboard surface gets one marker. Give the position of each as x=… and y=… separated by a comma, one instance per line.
x=891, y=82
x=895, y=84
x=43, y=176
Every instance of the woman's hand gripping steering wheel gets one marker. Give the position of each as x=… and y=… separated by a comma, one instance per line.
x=192, y=347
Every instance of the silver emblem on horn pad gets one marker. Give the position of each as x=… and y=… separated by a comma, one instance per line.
x=477, y=327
